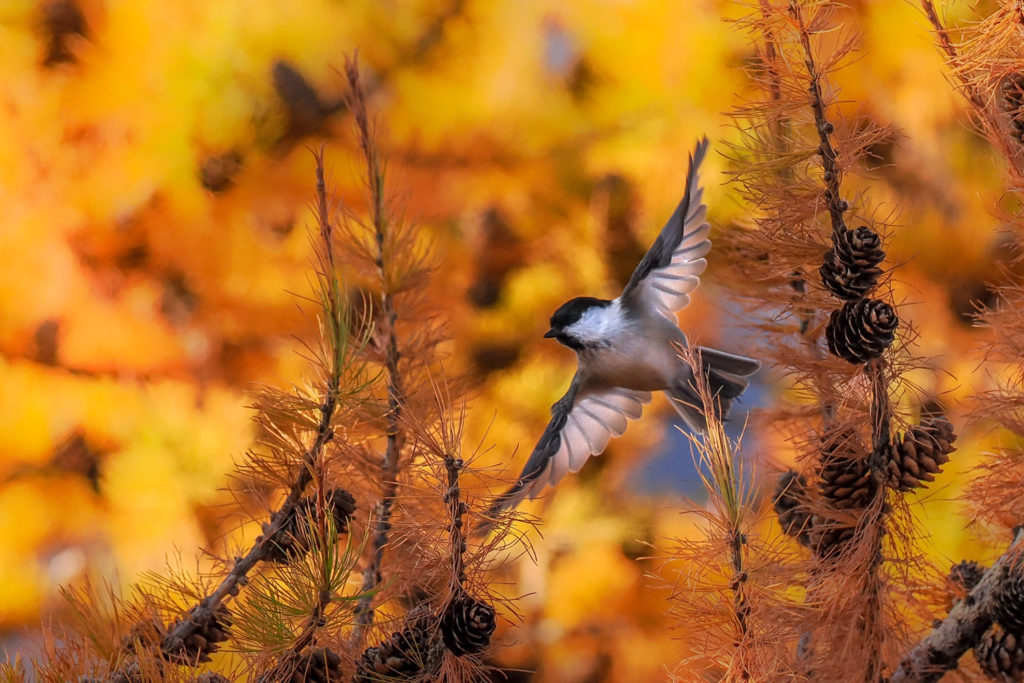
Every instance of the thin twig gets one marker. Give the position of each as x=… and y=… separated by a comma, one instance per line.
x=962, y=628
x=456, y=510
x=372, y=576
x=952, y=56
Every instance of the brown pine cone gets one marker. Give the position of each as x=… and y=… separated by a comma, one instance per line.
x=467, y=625
x=1008, y=610
x=1000, y=655
x=861, y=248
x=850, y=269
x=210, y=677
x=1012, y=89
x=845, y=478
x=966, y=574
x=828, y=536
x=844, y=280
x=406, y=654
x=291, y=540
x=790, y=503
x=861, y=330
x=918, y=454
x=319, y=665
x=203, y=640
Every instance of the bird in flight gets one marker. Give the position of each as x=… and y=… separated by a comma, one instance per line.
x=626, y=349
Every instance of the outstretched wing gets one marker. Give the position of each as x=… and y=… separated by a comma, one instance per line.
x=582, y=423
x=670, y=270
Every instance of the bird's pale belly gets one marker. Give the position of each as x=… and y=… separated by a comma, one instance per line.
x=640, y=366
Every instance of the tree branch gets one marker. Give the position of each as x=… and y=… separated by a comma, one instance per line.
x=961, y=630
x=265, y=543
x=395, y=393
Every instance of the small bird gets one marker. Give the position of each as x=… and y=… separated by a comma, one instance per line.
x=626, y=348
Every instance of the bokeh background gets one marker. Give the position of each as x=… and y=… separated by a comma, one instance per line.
x=155, y=188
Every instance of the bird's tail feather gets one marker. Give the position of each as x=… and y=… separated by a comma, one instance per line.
x=727, y=362
x=726, y=375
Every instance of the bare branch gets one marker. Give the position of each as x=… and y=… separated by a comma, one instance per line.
x=961, y=630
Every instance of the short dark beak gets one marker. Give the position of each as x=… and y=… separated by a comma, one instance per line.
x=551, y=333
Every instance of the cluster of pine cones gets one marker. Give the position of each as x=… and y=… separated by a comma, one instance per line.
x=845, y=482
x=862, y=328
x=1000, y=653
x=464, y=628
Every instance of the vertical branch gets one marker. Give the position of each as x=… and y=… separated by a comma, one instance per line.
x=456, y=510
x=312, y=460
x=389, y=463
x=952, y=56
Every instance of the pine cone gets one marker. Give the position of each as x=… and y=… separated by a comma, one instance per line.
x=319, y=665
x=917, y=455
x=861, y=330
x=844, y=280
x=961, y=580
x=850, y=269
x=210, y=677
x=846, y=481
x=406, y=654
x=828, y=536
x=291, y=540
x=1008, y=610
x=1000, y=655
x=201, y=642
x=861, y=248
x=1013, y=103
x=789, y=501
x=966, y=574
x=467, y=625
x=144, y=634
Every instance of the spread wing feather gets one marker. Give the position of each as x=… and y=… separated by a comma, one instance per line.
x=671, y=268
x=582, y=423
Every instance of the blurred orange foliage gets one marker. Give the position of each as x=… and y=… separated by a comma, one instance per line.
x=155, y=186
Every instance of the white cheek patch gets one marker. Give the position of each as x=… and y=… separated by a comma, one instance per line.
x=598, y=324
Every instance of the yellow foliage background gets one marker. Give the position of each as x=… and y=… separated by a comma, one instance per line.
x=540, y=146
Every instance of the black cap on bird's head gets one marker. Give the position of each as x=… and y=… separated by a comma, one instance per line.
x=570, y=313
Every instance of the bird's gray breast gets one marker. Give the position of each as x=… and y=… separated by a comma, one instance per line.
x=641, y=357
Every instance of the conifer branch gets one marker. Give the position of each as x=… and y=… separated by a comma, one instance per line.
x=265, y=544
x=395, y=395
x=456, y=510
x=952, y=56
x=963, y=627
x=880, y=408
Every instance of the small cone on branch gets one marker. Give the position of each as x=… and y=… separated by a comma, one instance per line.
x=202, y=642
x=828, y=536
x=789, y=501
x=291, y=540
x=210, y=677
x=1000, y=655
x=319, y=665
x=850, y=269
x=918, y=454
x=409, y=653
x=846, y=481
x=861, y=247
x=1008, y=610
x=861, y=330
x=846, y=281
x=962, y=578
x=467, y=625
x=966, y=574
